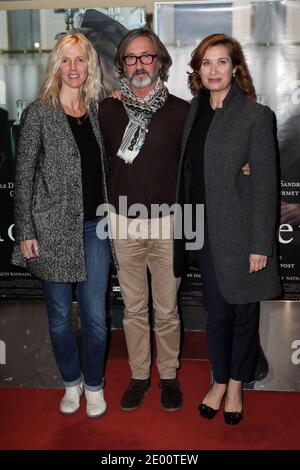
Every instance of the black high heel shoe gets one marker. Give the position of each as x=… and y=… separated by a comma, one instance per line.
x=233, y=417
x=207, y=411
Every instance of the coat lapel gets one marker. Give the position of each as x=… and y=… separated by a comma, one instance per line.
x=95, y=125
x=222, y=126
x=189, y=123
x=94, y=118
x=200, y=100
x=94, y=122
x=62, y=120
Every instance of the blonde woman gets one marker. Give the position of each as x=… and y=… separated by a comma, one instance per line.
x=60, y=182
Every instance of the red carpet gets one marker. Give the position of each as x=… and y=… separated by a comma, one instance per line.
x=30, y=418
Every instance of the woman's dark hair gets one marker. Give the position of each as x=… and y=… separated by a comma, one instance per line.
x=242, y=76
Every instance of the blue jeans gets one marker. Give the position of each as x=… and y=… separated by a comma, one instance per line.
x=92, y=308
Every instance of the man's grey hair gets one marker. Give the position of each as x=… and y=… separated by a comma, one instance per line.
x=161, y=51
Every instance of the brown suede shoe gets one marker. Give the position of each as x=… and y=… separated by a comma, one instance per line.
x=171, y=395
x=134, y=395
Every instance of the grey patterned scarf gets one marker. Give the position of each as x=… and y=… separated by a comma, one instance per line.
x=139, y=112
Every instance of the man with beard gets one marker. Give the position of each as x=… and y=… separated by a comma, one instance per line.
x=142, y=135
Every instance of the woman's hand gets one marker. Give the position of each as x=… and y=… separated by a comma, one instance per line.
x=257, y=263
x=246, y=169
x=29, y=248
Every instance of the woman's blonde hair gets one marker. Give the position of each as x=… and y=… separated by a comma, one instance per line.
x=92, y=88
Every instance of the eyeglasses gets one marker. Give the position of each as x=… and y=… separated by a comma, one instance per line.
x=146, y=59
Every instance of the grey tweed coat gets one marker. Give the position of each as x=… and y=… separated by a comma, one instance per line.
x=48, y=193
x=241, y=210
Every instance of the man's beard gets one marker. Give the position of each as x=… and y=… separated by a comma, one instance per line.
x=140, y=84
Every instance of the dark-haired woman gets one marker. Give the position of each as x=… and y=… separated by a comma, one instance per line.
x=225, y=129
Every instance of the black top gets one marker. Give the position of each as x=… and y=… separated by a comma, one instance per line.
x=195, y=150
x=91, y=172
x=151, y=178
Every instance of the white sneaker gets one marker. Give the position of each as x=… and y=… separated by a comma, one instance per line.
x=71, y=400
x=95, y=403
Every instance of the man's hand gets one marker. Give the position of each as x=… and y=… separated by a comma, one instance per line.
x=29, y=248
x=257, y=263
x=116, y=94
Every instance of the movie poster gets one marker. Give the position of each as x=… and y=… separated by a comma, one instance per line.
x=33, y=35
x=270, y=35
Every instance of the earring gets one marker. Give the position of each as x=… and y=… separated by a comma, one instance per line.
x=233, y=75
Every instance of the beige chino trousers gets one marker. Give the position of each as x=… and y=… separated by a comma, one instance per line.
x=148, y=243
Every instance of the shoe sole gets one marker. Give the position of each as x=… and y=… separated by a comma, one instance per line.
x=66, y=413
x=97, y=416
x=171, y=409
x=135, y=407
x=233, y=423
